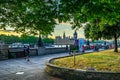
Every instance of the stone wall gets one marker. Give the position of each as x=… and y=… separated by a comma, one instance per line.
x=3, y=51
x=42, y=50
x=6, y=52
x=74, y=74
x=19, y=52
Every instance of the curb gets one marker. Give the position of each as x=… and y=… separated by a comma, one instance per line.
x=79, y=74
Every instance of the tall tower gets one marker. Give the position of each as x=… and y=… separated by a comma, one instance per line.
x=75, y=35
x=64, y=35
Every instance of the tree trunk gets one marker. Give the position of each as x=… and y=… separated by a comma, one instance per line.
x=115, y=43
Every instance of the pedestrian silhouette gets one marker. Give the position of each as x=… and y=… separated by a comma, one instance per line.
x=27, y=52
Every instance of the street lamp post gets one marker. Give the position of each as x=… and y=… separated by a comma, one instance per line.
x=75, y=44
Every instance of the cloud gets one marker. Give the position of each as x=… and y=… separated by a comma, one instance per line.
x=65, y=27
x=9, y=32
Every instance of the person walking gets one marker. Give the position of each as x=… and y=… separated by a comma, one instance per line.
x=27, y=52
x=70, y=49
x=83, y=48
x=67, y=48
x=97, y=47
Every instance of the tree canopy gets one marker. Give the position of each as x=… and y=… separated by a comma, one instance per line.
x=103, y=16
x=35, y=16
x=28, y=16
x=24, y=39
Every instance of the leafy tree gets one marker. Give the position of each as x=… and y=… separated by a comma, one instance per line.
x=48, y=40
x=23, y=39
x=28, y=39
x=97, y=13
x=9, y=39
x=87, y=31
x=39, y=15
x=28, y=16
x=112, y=31
x=107, y=32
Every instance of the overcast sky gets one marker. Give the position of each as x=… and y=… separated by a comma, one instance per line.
x=64, y=27
x=58, y=31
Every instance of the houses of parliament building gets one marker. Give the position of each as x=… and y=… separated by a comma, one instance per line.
x=65, y=40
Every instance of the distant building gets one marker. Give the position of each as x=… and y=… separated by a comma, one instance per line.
x=75, y=35
x=66, y=40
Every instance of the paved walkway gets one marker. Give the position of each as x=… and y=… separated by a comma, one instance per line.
x=20, y=69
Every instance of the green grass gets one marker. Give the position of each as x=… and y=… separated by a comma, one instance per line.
x=101, y=61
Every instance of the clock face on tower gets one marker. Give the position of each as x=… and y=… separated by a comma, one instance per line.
x=75, y=36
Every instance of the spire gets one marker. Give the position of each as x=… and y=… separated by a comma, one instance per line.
x=40, y=43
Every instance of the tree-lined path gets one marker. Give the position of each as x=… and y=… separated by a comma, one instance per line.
x=20, y=69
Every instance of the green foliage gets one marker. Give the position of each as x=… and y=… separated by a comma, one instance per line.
x=107, y=31
x=9, y=39
x=95, y=33
x=29, y=17
x=28, y=39
x=87, y=31
x=74, y=47
x=23, y=39
x=48, y=40
x=97, y=12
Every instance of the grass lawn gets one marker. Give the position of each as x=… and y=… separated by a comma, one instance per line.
x=106, y=60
